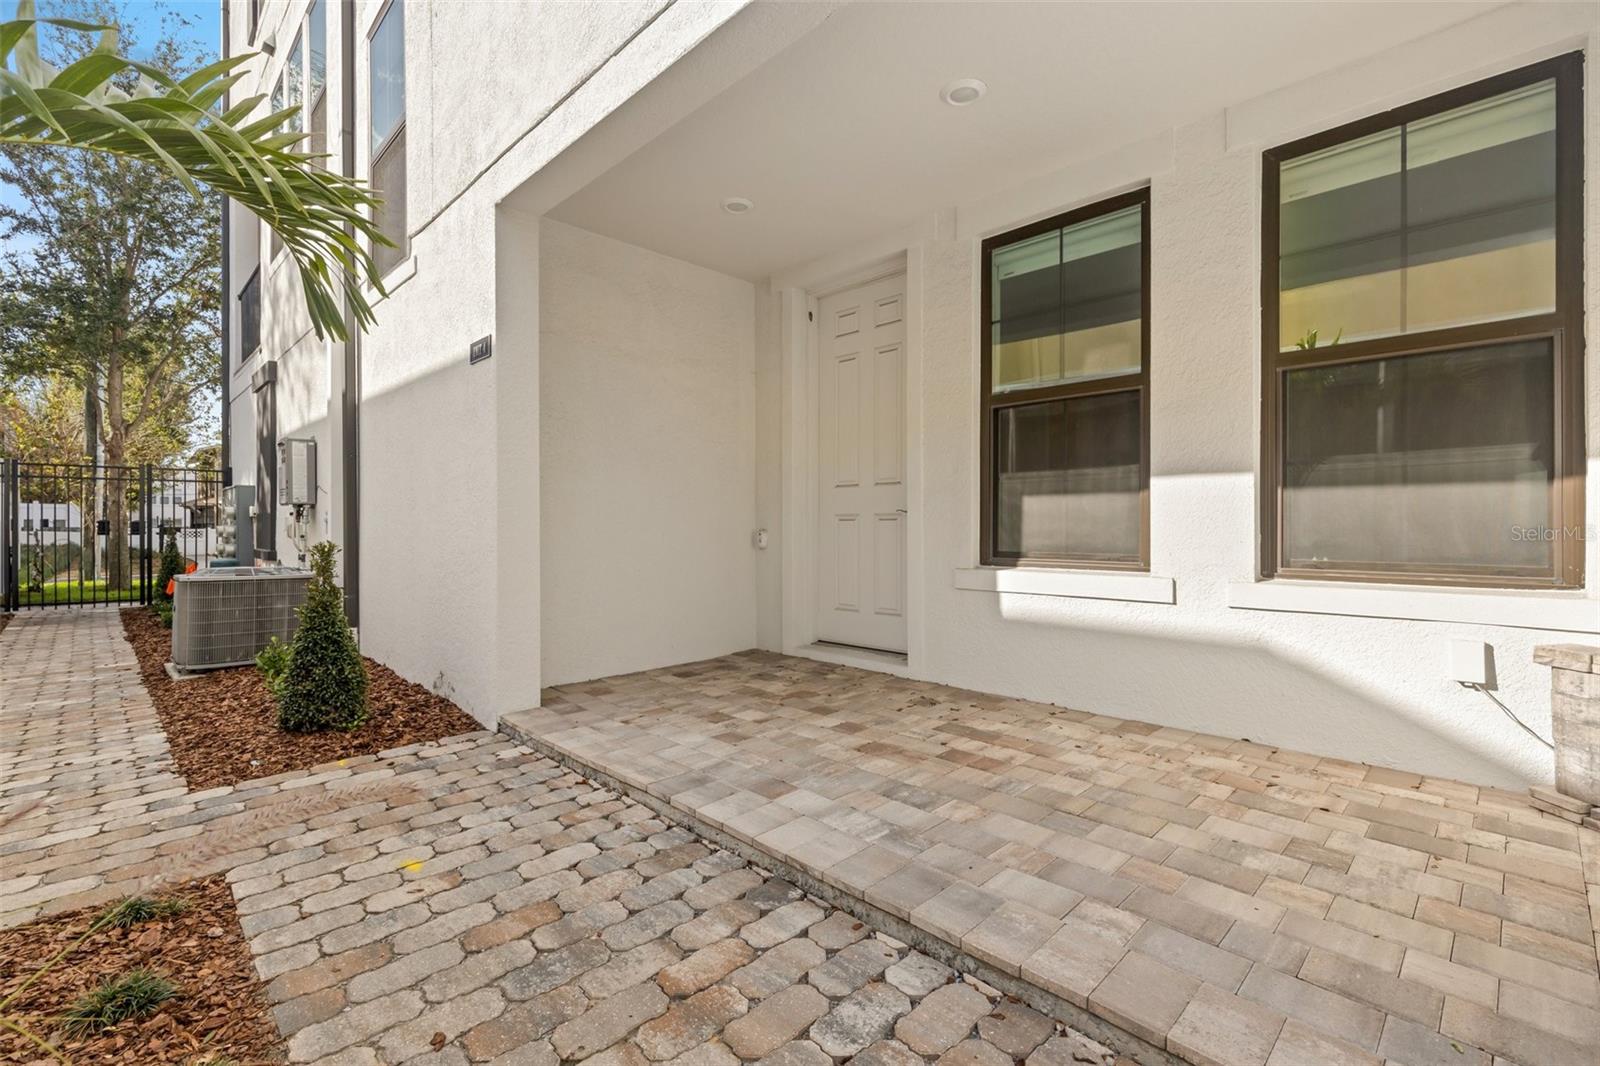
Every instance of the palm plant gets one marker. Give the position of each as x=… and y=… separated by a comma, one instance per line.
x=186, y=126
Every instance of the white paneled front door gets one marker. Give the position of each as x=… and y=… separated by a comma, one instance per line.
x=861, y=496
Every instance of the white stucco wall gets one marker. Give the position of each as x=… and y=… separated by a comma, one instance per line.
x=449, y=509
x=647, y=441
x=1372, y=689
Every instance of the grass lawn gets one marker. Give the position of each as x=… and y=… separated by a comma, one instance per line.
x=55, y=592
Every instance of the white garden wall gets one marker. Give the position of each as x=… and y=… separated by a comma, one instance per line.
x=647, y=469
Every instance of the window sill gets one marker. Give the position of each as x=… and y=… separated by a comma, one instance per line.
x=1571, y=612
x=1076, y=584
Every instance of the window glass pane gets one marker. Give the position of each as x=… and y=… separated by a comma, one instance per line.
x=1481, y=211
x=1446, y=221
x=388, y=74
x=317, y=30
x=1067, y=304
x=1026, y=295
x=1068, y=478
x=1339, y=242
x=1421, y=461
x=277, y=94
x=389, y=179
x=294, y=75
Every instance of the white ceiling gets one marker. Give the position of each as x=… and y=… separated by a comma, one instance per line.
x=843, y=137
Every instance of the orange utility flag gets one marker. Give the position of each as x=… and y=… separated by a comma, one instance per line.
x=172, y=582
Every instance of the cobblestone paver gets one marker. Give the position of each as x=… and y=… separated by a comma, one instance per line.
x=1225, y=900
x=83, y=762
x=466, y=901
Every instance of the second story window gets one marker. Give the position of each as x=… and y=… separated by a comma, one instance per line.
x=317, y=76
x=1423, y=341
x=250, y=316
x=294, y=80
x=387, y=109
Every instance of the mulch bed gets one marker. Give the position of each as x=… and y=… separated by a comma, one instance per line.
x=219, y=1011
x=222, y=726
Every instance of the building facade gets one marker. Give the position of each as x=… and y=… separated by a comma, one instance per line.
x=1220, y=366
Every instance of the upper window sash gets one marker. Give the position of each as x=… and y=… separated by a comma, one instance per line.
x=386, y=62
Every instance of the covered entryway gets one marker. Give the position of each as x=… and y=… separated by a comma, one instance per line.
x=861, y=449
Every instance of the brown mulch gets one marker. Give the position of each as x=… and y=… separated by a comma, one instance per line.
x=219, y=1010
x=222, y=726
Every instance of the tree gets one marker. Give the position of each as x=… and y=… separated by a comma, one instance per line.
x=187, y=126
x=41, y=420
x=115, y=281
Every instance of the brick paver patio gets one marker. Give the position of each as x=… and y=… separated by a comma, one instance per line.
x=1225, y=900
x=466, y=901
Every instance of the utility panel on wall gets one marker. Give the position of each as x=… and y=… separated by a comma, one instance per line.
x=297, y=472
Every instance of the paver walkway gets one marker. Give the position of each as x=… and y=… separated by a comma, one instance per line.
x=466, y=901
x=83, y=762
x=1226, y=900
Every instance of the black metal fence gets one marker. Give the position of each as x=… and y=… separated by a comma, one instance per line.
x=83, y=534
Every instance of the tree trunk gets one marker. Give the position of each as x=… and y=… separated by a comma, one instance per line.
x=119, y=569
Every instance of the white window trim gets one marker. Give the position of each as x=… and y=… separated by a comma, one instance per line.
x=1078, y=584
x=1569, y=612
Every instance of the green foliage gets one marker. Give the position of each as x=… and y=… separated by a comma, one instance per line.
x=109, y=104
x=1309, y=341
x=163, y=611
x=136, y=994
x=273, y=662
x=325, y=686
x=135, y=909
x=171, y=565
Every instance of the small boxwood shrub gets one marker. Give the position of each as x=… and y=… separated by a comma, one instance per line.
x=171, y=566
x=325, y=685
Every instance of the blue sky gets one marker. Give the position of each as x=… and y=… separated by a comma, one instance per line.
x=201, y=22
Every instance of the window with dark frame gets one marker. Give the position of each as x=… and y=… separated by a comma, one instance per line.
x=1422, y=335
x=386, y=107
x=317, y=78
x=279, y=102
x=1065, y=395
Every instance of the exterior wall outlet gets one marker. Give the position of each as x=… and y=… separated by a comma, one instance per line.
x=1467, y=661
x=762, y=539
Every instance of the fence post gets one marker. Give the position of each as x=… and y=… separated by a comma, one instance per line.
x=147, y=510
x=10, y=558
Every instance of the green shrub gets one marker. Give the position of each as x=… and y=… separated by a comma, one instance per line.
x=163, y=611
x=273, y=662
x=171, y=566
x=135, y=909
x=136, y=994
x=325, y=686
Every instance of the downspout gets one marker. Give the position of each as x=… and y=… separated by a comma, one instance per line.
x=350, y=395
x=227, y=299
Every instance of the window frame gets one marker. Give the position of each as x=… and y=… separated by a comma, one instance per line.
x=991, y=403
x=397, y=133
x=1563, y=327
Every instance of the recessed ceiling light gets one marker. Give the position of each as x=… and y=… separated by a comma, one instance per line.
x=736, y=205
x=963, y=91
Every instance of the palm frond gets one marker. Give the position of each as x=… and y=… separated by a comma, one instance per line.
x=178, y=124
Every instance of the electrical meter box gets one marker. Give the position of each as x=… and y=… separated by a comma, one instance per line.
x=297, y=472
